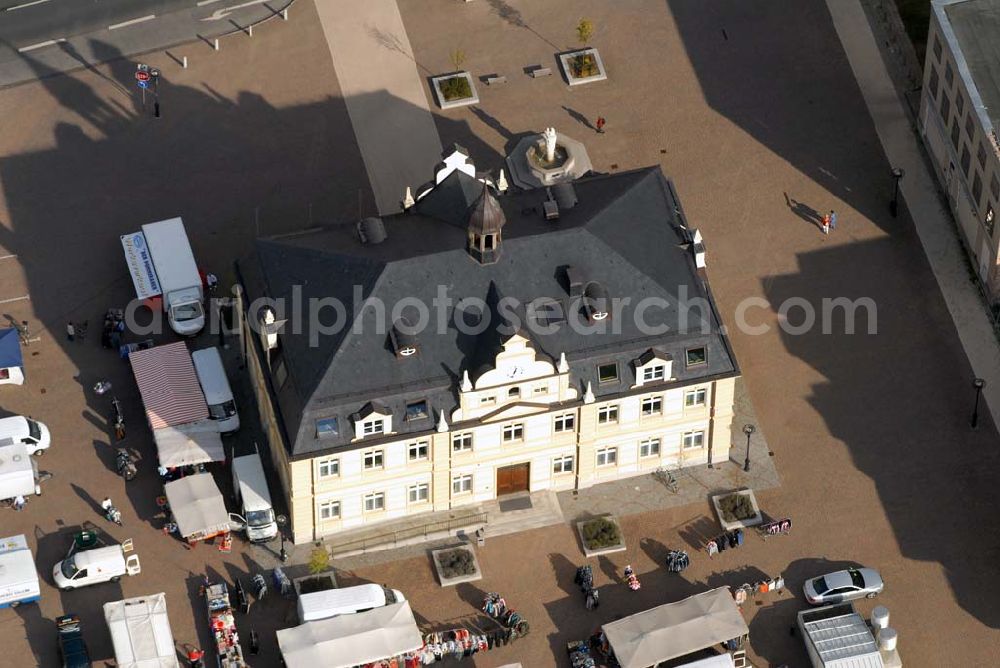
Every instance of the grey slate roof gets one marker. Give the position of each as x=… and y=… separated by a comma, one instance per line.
x=622, y=234
x=976, y=24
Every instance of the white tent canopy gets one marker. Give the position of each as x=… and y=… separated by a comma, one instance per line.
x=351, y=640
x=187, y=444
x=197, y=505
x=676, y=629
x=140, y=632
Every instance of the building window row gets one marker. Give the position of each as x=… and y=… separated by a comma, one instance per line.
x=462, y=442
x=373, y=459
x=695, y=398
x=461, y=484
x=418, y=451
x=566, y=422
x=649, y=447
x=607, y=414
x=513, y=432
x=562, y=464
x=652, y=406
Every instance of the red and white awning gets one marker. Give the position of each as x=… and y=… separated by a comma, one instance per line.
x=168, y=385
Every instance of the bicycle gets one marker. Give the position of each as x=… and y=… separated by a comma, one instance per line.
x=667, y=479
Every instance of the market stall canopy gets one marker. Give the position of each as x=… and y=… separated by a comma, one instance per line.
x=676, y=629
x=140, y=632
x=351, y=640
x=10, y=358
x=197, y=505
x=168, y=385
x=187, y=444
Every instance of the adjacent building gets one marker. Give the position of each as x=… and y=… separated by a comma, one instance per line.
x=959, y=112
x=485, y=344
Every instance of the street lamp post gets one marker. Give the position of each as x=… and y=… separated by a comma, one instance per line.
x=897, y=174
x=748, y=429
x=282, y=521
x=979, y=384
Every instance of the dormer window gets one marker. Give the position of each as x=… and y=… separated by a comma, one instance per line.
x=514, y=393
x=416, y=410
x=654, y=372
x=403, y=338
x=372, y=428
x=372, y=420
x=653, y=366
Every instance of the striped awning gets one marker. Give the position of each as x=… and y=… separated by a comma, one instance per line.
x=168, y=385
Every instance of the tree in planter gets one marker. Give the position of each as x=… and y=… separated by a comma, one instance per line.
x=584, y=31
x=457, y=58
x=584, y=64
x=456, y=87
x=319, y=561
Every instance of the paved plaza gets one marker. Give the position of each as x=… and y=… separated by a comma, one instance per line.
x=752, y=109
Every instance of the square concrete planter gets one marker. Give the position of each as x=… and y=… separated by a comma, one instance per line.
x=458, y=102
x=573, y=80
x=458, y=579
x=738, y=524
x=617, y=547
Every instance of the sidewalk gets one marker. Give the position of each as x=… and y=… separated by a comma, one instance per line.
x=919, y=189
x=384, y=95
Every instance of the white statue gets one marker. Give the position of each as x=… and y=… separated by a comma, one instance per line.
x=550, y=144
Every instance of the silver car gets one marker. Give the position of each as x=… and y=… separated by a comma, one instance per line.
x=844, y=586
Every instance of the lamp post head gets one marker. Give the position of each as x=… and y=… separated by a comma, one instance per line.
x=281, y=520
x=749, y=429
x=898, y=172
x=979, y=383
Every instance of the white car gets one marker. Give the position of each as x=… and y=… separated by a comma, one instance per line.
x=32, y=433
x=844, y=586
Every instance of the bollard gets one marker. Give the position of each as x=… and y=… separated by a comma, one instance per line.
x=284, y=13
x=216, y=44
x=184, y=62
x=250, y=31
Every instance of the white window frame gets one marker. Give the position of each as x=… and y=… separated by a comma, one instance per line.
x=559, y=423
x=655, y=404
x=647, y=444
x=415, y=490
x=373, y=497
x=602, y=454
x=559, y=464
x=654, y=372
x=462, y=442
x=513, y=432
x=488, y=400
x=458, y=483
x=542, y=388
x=415, y=447
x=373, y=454
x=604, y=414
x=689, y=437
x=329, y=505
x=691, y=398
x=329, y=463
x=373, y=428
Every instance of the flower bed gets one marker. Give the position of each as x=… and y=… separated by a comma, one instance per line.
x=455, y=565
x=455, y=90
x=601, y=535
x=737, y=510
x=582, y=66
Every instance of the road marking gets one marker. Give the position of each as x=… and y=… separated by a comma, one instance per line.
x=132, y=22
x=225, y=11
x=40, y=45
x=15, y=299
x=202, y=3
x=26, y=4
x=7, y=257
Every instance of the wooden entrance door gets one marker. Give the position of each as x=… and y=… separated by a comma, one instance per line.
x=511, y=479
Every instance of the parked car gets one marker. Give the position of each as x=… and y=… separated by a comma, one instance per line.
x=71, y=645
x=20, y=429
x=844, y=586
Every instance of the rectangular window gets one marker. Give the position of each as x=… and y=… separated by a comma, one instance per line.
x=373, y=427
x=374, y=502
x=487, y=401
x=607, y=414
x=981, y=155
x=416, y=410
x=328, y=510
x=955, y=137
x=960, y=104
x=652, y=406
x=562, y=464
x=462, y=442
x=607, y=456
x=417, y=451
x=651, y=373
x=995, y=187
x=696, y=356
x=966, y=160
x=693, y=439
x=373, y=459
x=541, y=389
x=565, y=422
x=977, y=189
x=326, y=427
x=945, y=107
x=513, y=432
x=649, y=447
x=461, y=484
x=949, y=76
x=419, y=493
x=937, y=48
x=607, y=373
x=694, y=398
x=328, y=468
x=933, y=82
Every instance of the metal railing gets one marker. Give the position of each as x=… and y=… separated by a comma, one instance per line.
x=394, y=538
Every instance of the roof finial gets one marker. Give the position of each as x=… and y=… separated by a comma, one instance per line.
x=466, y=383
x=442, y=425
x=588, y=396
x=408, y=200
x=563, y=364
x=502, y=184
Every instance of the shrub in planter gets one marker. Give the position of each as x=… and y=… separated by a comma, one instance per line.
x=583, y=66
x=315, y=583
x=737, y=508
x=319, y=560
x=600, y=533
x=455, y=88
x=456, y=563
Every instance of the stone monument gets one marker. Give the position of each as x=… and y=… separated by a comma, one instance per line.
x=546, y=159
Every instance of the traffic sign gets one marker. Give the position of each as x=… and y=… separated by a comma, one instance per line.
x=153, y=72
x=141, y=76
x=143, y=83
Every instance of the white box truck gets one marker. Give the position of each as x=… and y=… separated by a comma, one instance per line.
x=161, y=263
x=250, y=487
x=140, y=632
x=18, y=472
x=18, y=577
x=215, y=385
x=346, y=601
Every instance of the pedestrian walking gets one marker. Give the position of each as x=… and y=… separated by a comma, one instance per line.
x=826, y=224
x=70, y=331
x=833, y=219
x=600, y=125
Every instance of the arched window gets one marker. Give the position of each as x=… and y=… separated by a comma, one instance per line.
x=514, y=393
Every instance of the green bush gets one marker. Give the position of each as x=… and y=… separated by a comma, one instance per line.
x=736, y=508
x=601, y=533
x=455, y=88
x=583, y=66
x=319, y=560
x=456, y=563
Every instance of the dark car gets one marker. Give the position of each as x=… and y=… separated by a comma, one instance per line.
x=71, y=645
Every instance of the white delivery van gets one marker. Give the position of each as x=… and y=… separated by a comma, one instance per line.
x=346, y=601
x=179, y=280
x=102, y=564
x=18, y=471
x=215, y=385
x=250, y=486
x=32, y=433
x=18, y=577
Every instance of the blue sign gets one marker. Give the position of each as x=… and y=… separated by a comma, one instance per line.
x=140, y=265
x=143, y=84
